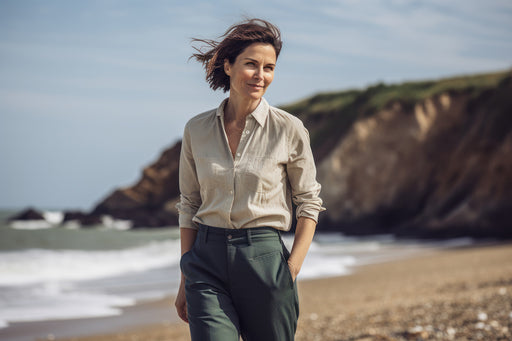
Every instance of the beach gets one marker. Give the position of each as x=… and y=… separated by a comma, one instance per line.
x=462, y=293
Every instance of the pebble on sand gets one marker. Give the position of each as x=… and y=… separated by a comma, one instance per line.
x=482, y=316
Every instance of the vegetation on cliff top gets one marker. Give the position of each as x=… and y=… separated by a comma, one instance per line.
x=329, y=116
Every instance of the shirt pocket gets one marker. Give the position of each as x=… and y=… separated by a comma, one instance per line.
x=263, y=175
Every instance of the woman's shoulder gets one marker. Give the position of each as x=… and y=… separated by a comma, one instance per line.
x=202, y=120
x=286, y=120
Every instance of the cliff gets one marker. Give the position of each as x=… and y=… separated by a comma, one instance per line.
x=150, y=202
x=428, y=159
x=424, y=158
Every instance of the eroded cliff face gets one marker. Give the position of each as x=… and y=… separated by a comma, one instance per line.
x=441, y=168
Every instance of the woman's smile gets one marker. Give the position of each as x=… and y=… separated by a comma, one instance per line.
x=256, y=86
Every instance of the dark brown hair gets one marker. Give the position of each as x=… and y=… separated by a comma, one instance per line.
x=236, y=39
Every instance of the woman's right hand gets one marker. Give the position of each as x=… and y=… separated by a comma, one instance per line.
x=187, y=237
x=181, y=302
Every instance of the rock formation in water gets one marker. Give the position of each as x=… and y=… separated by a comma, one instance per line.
x=27, y=214
x=150, y=202
x=428, y=159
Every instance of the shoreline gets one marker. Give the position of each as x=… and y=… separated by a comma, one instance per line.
x=434, y=295
x=155, y=312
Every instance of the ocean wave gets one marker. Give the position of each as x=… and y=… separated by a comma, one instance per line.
x=326, y=258
x=40, y=265
x=61, y=304
x=56, y=218
x=30, y=224
x=53, y=217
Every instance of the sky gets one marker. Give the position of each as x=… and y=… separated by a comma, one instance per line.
x=93, y=91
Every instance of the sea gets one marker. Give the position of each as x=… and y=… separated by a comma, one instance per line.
x=54, y=272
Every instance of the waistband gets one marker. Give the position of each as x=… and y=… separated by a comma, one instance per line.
x=246, y=234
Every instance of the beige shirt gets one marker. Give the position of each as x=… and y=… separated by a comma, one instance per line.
x=273, y=165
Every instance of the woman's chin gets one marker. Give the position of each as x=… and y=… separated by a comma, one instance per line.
x=256, y=95
x=251, y=95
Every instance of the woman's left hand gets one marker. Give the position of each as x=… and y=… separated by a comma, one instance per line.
x=304, y=233
x=293, y=270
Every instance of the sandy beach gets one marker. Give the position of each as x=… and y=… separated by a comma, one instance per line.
x=456, y=294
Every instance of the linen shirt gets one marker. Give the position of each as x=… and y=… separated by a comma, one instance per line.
x=272, y=166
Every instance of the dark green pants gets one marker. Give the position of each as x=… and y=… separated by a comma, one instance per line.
x=238, y=284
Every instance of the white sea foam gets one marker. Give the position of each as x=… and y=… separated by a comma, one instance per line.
x=116, y=224
x=39, y=306
x=37, y=284
x=53, y=217
x=318, y=266
x=39, y=266
x=30, y=224
x=325, y=259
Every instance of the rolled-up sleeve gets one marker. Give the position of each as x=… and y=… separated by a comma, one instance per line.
x=302, y=175
x=190, y=198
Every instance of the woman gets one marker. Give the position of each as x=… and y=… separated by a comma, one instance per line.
x=241, y=166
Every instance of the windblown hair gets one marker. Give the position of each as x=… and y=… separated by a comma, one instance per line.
x=236, y=39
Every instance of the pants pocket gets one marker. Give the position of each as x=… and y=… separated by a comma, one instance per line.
x=285, y=261
x=184, y=260
x=271, y=270
x=185, y=257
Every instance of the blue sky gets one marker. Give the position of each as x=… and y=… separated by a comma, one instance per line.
x=93, y=91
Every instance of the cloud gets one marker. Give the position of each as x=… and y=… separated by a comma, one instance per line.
x=426, y=34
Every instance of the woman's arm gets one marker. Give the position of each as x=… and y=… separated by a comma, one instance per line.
x=303, y=236
x=188, y=237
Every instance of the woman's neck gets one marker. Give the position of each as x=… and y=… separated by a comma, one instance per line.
x=238, y=109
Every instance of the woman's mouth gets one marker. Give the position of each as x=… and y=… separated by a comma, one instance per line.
x=256, y=86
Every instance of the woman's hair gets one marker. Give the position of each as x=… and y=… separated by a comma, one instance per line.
x=236, y=39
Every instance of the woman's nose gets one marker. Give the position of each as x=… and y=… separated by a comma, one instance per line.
x=258, y=73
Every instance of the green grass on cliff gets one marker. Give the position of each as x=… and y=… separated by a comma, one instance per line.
x=324, y=102
x=329, y=115
x=381, y=94
x=416, y=91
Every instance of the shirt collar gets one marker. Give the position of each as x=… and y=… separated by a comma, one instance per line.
x=260, y=113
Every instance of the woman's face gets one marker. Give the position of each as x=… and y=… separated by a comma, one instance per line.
x=252, y=72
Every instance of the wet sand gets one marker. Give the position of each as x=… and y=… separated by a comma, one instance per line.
x=457, y=294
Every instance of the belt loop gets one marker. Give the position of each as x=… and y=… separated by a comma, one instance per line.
x=249, y=237
x=206, y=234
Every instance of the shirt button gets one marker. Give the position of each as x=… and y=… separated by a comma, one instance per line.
x=237, y=154
x=230, y=236
x=247, y=131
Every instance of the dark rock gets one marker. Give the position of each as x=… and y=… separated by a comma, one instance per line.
x=85, y=219
x=27, y=214
x=150, y=202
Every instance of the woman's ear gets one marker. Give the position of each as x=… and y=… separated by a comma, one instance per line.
x=227, y=67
